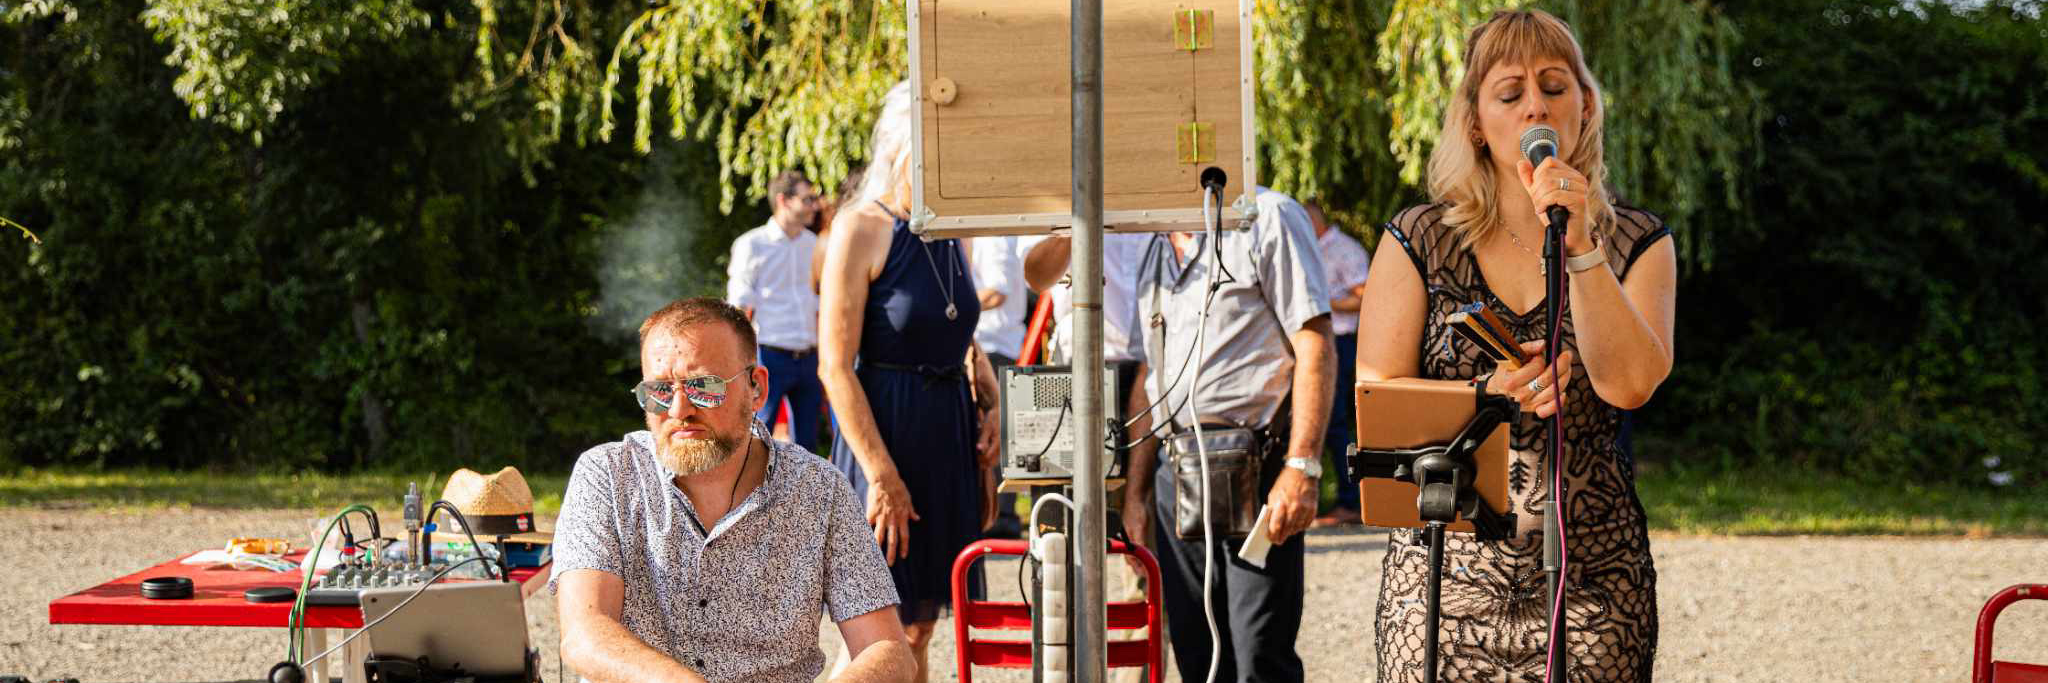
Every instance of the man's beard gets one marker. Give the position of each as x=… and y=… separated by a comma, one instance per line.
x=695, y=456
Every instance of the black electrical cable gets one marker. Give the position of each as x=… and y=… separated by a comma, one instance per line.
x=1057, y=423
x=499, y=565
x=1022, y=563
x=1214, y=228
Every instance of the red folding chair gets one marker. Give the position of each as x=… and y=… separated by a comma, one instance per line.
x=1982, y=669
x=1016, y=616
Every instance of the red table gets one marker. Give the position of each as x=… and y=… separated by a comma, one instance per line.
x=217, y=600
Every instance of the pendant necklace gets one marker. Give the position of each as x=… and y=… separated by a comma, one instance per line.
x=945, y=285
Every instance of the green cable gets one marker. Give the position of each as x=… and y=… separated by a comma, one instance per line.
x=296, y=623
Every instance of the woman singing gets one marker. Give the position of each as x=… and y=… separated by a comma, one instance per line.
x=1481, y=241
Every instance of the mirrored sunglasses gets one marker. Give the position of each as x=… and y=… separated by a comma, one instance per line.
x=658, y=396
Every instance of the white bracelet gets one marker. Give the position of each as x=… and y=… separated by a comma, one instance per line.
x=1586, y=261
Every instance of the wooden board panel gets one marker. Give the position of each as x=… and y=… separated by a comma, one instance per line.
x=1010, y=120
x=1003, y=145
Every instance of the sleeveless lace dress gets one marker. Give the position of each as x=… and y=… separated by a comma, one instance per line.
x=1495, y=607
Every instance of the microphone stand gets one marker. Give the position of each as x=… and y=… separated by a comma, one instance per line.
x=1553, y=509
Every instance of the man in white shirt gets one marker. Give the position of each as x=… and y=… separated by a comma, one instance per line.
x=1344, y=264
x=770, y=279
x=1045, y=266
x=998, y=269
x=999, y=283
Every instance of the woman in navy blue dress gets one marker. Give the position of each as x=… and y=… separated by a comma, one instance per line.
x=896, y=335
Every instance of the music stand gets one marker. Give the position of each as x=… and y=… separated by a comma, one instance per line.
x=1439, y=438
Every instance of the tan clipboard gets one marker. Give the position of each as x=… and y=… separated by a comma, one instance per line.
x=1414, y=413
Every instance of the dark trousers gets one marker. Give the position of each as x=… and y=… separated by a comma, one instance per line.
x=1258, y=611
x=1343, y=419
x=795, y=377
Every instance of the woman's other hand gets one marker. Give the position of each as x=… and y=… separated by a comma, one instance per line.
x=1529, y=385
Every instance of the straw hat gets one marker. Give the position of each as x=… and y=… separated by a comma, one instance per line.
x=495, y=505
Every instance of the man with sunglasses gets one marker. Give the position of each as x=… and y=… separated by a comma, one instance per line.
x=769, y=277
x=700, y=550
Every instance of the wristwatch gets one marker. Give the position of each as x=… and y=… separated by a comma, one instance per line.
x=1313, y=467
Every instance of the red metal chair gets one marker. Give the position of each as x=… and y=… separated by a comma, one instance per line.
x=1982, y=669
x=1016, y=616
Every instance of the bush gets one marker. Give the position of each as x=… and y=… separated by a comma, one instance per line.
x=1885, y=322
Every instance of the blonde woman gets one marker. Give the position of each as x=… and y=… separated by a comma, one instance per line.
x=1480, y=241
x=896, y=339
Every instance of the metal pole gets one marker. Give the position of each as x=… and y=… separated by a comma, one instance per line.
x=1091, y=613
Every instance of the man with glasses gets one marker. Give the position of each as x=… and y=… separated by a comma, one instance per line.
x=769, y=278
x=700, y=550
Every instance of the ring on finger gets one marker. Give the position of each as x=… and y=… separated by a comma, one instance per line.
x=1564, y=184
x=1535, y=386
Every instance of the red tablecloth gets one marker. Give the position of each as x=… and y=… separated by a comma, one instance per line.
x=216, y=599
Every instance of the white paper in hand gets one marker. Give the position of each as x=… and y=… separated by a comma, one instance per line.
x=1255, y=547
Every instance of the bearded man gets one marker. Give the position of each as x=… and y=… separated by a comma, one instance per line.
x=700, y=550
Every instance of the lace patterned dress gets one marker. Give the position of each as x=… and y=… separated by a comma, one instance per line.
x=1495, y=607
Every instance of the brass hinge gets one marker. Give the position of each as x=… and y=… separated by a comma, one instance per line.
x=1195, y=143
x=1194, y=29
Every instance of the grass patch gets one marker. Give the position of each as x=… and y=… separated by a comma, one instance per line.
x=1678, y=499
x=159, y=489
x=1758, y=502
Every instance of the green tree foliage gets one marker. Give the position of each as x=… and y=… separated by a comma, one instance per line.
x=1884, y=318
x=386, y=280
x=1323, y=119
x=292, y=233
x=786, y=85
x=241, y=61
x=1422, y=54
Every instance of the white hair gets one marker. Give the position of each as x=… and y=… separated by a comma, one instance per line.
x=887, y=178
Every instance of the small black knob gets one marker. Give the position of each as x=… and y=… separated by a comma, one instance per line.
x=287, y=672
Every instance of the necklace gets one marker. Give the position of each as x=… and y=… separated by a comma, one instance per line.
x=945, y=285
x=1541, y=266
x=744, y=461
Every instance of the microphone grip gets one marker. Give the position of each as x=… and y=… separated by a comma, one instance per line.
x=1559, y=217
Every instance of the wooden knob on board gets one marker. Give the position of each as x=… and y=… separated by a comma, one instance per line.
x=944, y=90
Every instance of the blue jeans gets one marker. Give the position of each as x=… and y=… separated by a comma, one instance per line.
x=794, y=376
x=1343, y=417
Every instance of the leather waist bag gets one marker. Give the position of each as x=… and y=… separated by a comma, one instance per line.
x=1236, y=456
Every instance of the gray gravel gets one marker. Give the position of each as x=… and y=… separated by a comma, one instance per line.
x=1733, y=609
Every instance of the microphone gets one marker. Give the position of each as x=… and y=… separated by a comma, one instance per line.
x=1539, y=142
x=1214, y=178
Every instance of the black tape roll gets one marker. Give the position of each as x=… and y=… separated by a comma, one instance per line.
x=270, y=594
x=167, y=588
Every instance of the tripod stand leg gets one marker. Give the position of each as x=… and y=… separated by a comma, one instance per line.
x=1435, y=534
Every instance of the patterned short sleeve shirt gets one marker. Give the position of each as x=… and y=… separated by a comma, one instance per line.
x=736, y=599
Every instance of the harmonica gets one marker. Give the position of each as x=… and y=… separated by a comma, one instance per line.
x=1479, y=325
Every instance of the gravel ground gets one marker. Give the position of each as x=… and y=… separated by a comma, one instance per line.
x=1732, y=609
